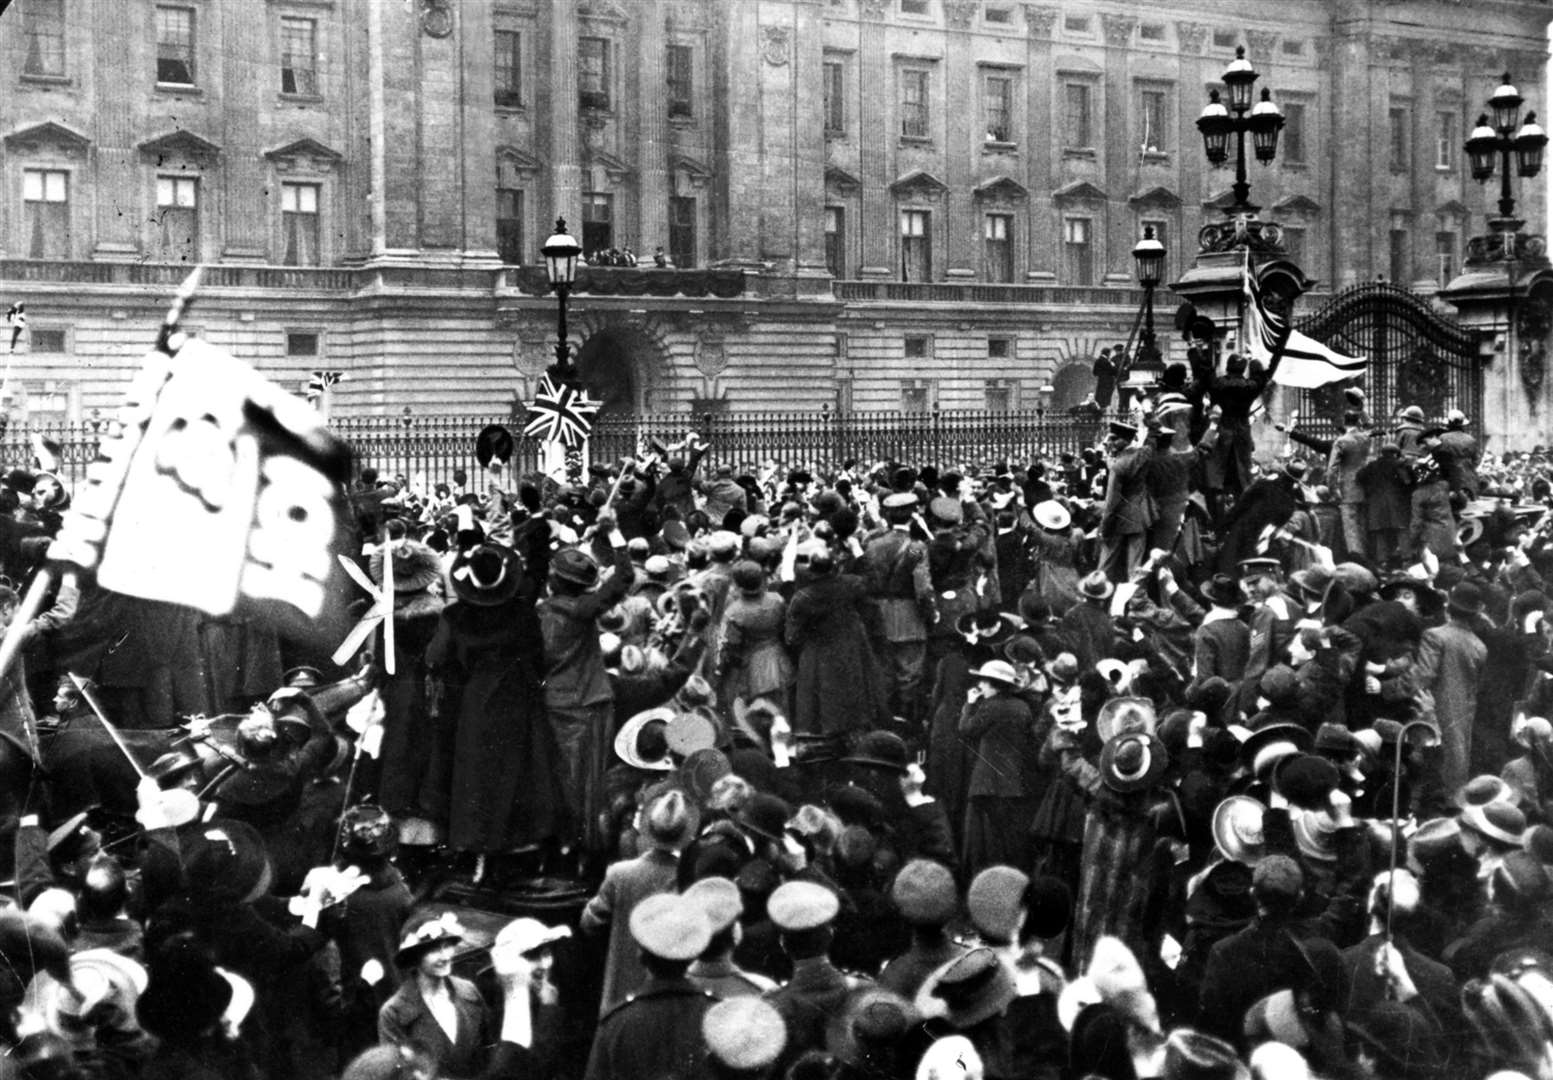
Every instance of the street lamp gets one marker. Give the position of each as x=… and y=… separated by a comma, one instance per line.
x=1149, y=254
x=1217, y=123
x=1498, y=139
x=561, y=252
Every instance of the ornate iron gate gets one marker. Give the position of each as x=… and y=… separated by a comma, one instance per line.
x=1417, y=356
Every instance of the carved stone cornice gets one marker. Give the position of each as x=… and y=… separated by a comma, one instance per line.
x=1192, y=36
x=1118, y=29
x=1260, y=43
x=960, y=13
x=1040, y=20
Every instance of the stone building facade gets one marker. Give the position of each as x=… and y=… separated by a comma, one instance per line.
x=869, y=204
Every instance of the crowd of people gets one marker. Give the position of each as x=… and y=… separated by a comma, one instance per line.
x=1171, y=757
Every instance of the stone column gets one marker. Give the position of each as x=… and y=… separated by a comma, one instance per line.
x=1351, y=138
x=393, y=52
x=119, y=179
x=654, y=178
x=876, y=140
x=1043, y=153
x=565, y=171
x=247, y=193
x=1119, y=152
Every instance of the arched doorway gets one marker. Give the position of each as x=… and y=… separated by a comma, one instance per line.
x=1071, y=384
x=607, y=363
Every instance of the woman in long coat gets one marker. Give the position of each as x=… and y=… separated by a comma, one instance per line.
x=407, y=724
x=839, y=687
x=504, y=791
x=753, y=662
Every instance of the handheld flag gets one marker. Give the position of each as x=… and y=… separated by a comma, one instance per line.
x=381, y=612
x=1293, y=358
x=217, y=491
x=319, y=382
x=561, y=413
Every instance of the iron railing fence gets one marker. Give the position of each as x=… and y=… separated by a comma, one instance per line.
x=432, y=448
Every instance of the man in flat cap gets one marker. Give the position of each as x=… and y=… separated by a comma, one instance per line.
x=657, y=1031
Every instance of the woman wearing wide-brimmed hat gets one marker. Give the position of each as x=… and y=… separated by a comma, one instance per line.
x=1054, y=544
x=503, y=785
x=1001, y=801
x=753, y=661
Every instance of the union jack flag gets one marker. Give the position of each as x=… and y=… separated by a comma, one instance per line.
x=320, y=382
x=561, y=413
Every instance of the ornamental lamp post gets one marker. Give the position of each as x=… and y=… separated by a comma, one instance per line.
x=1217, y=123
x=1498, y=138
x=561, y=252
x=1149, y=254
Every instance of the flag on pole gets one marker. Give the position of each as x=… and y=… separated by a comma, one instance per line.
x=319, y=382
x=1295, y=359
x=561, y=413
x=218, y=491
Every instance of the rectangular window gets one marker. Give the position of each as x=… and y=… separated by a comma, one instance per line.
x=1398, y=121
x=301, y=343
x=914, y=397
x=1078, y=251
x=681, y=81
x=598, y=223
x=998, y=15
x=1445, y=256
x=1293, y=47
x=593, y=72
x=1294, y=244
x=175, y=45
x=178, y=218
x=998, y=234
x=914, y=7
x=914, y=114
x=836, y=241
x=46, y=213
x=1077, y=133
x=1000, y=348
x=1000, y=396
x=1076, y=24
x=997, y=107
x=682, y=231
x=43, y=25
x=835, y=97
x=918, y=347
x=1225, y=39
x=298, y=56
x=1152, y=31
x=1293, y=149
x=1400, y=274
x=509, y=223
x=1154, y=117
x=916, y=245
x=1446, y=143
x=299, y=224
x=45, y=341
x=509, y=69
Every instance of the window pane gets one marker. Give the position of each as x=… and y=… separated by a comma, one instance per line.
x=914, y=115
x=835, y=101
x=297, y=66
x=1445, y=255
x=1154, y=121
x=597, y=222
x=682, y=231
x=835, y=241
x=999, y=248
x=1398, y=138
x=509, y=68
x=174, y=45
x=681, y=77
x=46, y=214
x=509, y=225
x=54, y=186
x=301, y=344
x=32, y=185
x=997, y=100
x=1079, y=255
x=1294, y=133
x=1445, y=142
x=593, y=72
x=43, y=23
x=1077, y=130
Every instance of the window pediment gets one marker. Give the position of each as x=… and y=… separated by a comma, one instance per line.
x=1158, y=196
x=34, y=138
x=305, y=155
x=921, y=183
x=1297, y=204
x=1079, y=191
x=840, y=180
x=1002, y=188
x=179, y=144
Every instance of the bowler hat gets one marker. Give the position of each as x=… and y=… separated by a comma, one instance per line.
x=765, y=815
x=1465, y=599
x=968, y=989
x=1484, y=789
x=883, y=749
x=1306, y=780
x=870, y=1029
x=1132, y=762
x=487, y=575
x=1119, y=430
x=1275, y=735
x=671, y=926
x=1501, y=822
x=1223, y=590
x=1434, y=838
x=924, y=893
x=1335, y=739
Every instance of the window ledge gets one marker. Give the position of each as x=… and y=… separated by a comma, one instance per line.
x=1298, y=166
x=997, y=146
x=916, y=140
x=1161, y=157
x=1078, y=152
x=47, y=80
x=179, y=89
x=511, y=110
x=1444, y=170
x=300, y=99
x=683, y=122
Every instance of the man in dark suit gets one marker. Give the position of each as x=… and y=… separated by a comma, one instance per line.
x=1263, y=958
x=1125, y=518
x=657, y=1031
